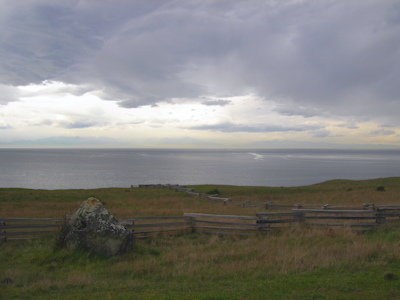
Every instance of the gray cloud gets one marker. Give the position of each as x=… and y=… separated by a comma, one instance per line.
x=219, y=102
x=230, y=127
x=348, y=126
x=320, y=133
x=65, y=141
x=81, y=124
x=316, y=145
x=383, y=132
x=72, y=124
x=298, y=111
x=325, y=57
x=182, y=141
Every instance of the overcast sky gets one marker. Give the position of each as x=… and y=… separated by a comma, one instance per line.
x=200, y=73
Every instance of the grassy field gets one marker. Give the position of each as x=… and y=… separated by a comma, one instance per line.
x=291, y=264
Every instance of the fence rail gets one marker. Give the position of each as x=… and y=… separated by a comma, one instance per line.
x=24, y=228
x=224, y=224
x=144, y=227
x=360, y=218
x=262, y=222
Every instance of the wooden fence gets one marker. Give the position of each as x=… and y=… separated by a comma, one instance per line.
x=359, y=218
x=225, y=224
x=144, y=227
x=24, y=228
x=263, y=222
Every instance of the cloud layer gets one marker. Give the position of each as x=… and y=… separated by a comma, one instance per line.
x=312, y=59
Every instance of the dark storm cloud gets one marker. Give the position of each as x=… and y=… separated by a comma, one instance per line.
x=47, y=40
x=325, y=57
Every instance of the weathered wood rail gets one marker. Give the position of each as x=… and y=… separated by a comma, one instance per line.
x=225, y=224
x=144, y=227
x=262, y=222
x=359, y=218
x=24, y=228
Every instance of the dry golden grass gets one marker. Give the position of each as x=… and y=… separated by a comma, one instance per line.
x=293, y=251
x=128, y=203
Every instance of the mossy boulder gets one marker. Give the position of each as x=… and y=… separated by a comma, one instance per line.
x=92, y=228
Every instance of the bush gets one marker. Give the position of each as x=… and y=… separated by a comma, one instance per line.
x=390, y=276
x=380, y=188
x=213, y=192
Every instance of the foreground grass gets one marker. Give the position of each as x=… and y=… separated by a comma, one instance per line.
x=293, y=264
x=298, y=263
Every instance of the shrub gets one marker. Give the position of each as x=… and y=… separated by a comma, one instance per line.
x=213, y=192
x=390, y=276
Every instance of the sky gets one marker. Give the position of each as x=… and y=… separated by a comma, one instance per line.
x=200, y=73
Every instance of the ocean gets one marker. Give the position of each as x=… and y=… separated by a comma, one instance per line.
x=100, y=168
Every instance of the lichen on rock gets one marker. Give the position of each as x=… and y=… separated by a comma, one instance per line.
x=93, y=228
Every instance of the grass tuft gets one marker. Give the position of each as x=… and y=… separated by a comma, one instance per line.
x=390, y=276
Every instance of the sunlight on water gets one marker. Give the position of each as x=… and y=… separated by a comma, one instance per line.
x=256, y=156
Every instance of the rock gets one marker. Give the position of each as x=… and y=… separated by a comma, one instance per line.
x=93, y=228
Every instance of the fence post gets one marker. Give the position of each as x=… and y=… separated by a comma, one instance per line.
x=191, y=223
x=368, y=206
x=380, y=217
x=263, y=225
x=133, y=224
x=299, y=218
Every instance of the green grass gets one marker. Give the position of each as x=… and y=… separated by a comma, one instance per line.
x=290, y=265
x=296, y=263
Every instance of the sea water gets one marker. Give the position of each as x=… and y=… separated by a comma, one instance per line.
x=97, y=168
